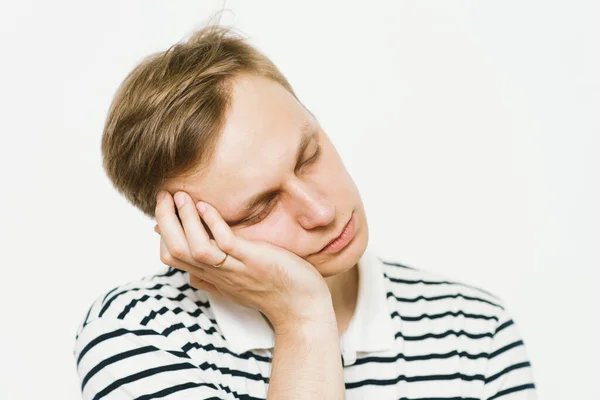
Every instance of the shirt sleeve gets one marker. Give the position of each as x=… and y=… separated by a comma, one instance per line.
x=118, y=361
x=509, y=375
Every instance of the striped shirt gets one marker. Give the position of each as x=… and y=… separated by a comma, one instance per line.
x=414, y=335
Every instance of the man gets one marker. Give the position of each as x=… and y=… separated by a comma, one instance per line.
x=270, y=291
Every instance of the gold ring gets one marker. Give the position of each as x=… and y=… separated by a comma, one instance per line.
x=222, y=262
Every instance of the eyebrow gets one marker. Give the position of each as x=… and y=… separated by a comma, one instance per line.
x=308, y=133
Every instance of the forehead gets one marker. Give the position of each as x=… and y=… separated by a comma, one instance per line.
x=257, y=146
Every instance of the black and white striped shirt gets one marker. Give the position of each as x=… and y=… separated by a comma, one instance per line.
x=414, y=335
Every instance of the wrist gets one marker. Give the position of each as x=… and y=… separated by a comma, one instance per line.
x=306, y=330
x=313, y=316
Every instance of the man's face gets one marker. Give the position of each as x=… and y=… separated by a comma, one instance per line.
x=310, y=195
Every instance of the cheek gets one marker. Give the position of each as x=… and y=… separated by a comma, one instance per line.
x=332, y=176
x=276, y=231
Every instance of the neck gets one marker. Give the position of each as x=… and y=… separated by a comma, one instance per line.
x=344, y=293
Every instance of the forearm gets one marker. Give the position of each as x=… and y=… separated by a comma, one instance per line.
x=307, y=363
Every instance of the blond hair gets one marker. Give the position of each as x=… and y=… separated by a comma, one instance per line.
x=167, y=114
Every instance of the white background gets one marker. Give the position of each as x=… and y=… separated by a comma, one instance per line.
x=472, y=130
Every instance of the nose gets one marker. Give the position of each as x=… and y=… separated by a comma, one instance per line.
x=313, y=209
x=317, y=215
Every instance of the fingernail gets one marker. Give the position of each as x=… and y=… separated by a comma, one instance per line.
x=160, y=195
x=179, y=199
x=201, y=206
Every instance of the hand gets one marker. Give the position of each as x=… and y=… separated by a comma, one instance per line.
x=283, y=286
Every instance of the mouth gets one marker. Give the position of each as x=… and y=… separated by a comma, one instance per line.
x=339, y=242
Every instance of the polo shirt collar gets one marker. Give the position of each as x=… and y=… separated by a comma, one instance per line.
x=370, y=328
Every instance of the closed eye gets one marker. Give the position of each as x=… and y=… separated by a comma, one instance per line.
x=271, y=203
x=263, y=214
x=314, y=157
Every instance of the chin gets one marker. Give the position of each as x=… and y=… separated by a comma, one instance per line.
x=345, y=259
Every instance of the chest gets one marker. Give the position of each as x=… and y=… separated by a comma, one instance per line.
x=403, y=373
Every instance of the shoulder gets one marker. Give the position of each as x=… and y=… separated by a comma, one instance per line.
x=431, y=285
x=425, y=299
x=434, y=311
x=143, y=338
x=433, y=305
x=155, y=301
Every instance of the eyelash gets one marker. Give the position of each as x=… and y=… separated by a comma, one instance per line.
x=313, y=158
x=263, y=214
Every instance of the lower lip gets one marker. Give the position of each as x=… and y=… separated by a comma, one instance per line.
x=343, y=240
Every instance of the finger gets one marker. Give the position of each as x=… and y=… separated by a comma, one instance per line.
x=202, y=284
x=201, y=273
x=172, y=231
x=156, y=229
x=201, y=248
x=224, y=237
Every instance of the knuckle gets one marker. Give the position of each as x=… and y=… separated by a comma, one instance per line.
x=227, y=245
x=178, y=252
x=166, y=258
x=199, y=254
